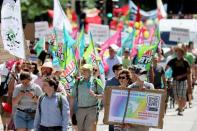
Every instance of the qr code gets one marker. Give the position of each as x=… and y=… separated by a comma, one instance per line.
x=153, y=103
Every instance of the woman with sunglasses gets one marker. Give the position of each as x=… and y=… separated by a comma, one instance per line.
x=125, y=80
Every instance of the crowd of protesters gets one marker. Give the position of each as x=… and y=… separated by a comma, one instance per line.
x=39, y=101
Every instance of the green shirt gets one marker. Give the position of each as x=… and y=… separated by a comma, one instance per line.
x=84, y=98
x=126, y=63
x=190, y=58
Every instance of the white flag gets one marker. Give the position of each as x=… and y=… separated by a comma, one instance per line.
x=60, y=18
x=11, y=28
x=161, y=9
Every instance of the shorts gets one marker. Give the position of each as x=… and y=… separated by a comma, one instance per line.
x=23, y=120
x=180, y=89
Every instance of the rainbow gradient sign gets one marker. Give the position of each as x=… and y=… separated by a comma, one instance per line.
x=140, y=108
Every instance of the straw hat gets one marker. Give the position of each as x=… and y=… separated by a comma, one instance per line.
x=47, y=64
x=87, y=67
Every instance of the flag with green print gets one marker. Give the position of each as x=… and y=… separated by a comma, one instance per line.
x=89, y=54
x=145, y=54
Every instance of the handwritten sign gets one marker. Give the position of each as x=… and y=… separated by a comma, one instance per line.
x=100, y=33
x=41, y=29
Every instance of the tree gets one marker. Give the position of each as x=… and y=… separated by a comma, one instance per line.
x=37, y=9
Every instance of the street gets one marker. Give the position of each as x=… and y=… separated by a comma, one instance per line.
x=172, y=122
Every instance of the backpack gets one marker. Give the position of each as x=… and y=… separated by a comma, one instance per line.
x=60, y=106
x=4, y=86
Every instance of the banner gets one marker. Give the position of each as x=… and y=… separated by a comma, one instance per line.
x=60, y=19
x=179, y=34
x=115, y=39
x=152, y=14
x=135, y=107
x=11, y=28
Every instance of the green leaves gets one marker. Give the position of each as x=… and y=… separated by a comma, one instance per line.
x=35, y=8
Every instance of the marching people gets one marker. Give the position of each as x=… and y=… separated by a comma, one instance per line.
x=25, y=98
x=112, y=60
x=181, y=73
x=159, y=80
x=114, y=82
x=46, y=70
x=126, y=62
x=52, y=113
x=125, y=79
x=86, y=93
x=138, y=78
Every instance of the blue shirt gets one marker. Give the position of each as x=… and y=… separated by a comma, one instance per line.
x=50, y=113
x=111, y=62
x=112, y=82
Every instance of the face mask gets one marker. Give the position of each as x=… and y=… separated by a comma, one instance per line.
x=142, y=77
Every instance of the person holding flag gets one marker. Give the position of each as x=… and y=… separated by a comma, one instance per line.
x=87, y=93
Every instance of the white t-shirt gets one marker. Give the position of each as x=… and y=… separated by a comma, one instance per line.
x=146, y=85
x=111, y=63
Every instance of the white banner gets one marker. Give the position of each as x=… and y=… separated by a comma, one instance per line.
x=11, y=28
x=100, y=33
x=179, y=35
x=41, y=29
x=60, y=18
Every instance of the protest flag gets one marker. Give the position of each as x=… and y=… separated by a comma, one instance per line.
x=161, y=12
x=39, y=47
x=81, y=42
x=115, y=39
x=145, y=54
x=127, y=42
x=89, y=54
x=60, y=19
x=138, y=16
x=11, y=28
x=68, y=40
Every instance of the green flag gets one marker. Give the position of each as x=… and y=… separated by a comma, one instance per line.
x=39, y=47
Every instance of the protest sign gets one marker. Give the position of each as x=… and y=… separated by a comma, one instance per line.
x=134, y=106
x=29, y=31
x=100, y=33
x=179, y=35
x=41, y=29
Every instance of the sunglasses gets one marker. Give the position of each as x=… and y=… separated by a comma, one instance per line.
x=123, y=77
x=95, y=70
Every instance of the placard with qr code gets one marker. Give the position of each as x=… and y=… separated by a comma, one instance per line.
x=136, y=107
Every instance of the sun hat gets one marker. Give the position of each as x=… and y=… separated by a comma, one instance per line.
x=114, y=47
x=47, y=64
x=87, y=67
